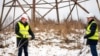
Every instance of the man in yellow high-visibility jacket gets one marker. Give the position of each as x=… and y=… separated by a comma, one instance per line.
x=92, y=34
x=23, y=30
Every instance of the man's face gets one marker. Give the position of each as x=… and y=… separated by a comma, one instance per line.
x=89, y=19
x=24, y=20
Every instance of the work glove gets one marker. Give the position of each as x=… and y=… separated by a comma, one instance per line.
x=85, y=37
x=32, y=38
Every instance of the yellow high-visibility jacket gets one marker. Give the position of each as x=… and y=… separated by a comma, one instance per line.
x=23, y=30
x=96, y=34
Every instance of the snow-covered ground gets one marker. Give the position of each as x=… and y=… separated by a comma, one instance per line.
x=48, y=44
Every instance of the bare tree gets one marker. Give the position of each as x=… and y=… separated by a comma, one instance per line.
x=0, y=24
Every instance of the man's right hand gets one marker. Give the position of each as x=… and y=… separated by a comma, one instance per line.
x=85, y=37
x=32, y=38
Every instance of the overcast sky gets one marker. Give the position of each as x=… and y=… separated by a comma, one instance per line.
x=90, y=5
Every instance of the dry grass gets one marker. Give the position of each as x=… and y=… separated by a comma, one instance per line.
x=45, y=25
x=62, y=28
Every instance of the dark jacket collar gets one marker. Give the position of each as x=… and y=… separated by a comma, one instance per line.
x=91, y=21
x=23, y=23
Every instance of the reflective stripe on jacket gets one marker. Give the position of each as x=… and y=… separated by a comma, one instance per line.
x=96, y=34
x=23, y=30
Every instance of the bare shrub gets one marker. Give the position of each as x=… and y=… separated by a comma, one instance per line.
x=45, y=25
x=62, y=28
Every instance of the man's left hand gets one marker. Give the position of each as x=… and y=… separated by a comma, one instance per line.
x=85, y=37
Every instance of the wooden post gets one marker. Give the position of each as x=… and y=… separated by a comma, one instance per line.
x=14, y=13
x=2, y=15
x=70, y=8
x=80, y=6
x=57, y=12
x=98, y=5
x=33, y=13
x=71, y=11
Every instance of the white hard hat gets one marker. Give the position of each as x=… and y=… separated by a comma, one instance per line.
x=25, y=16
x=90, y=15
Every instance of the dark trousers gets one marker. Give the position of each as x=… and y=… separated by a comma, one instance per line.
x=22, y=44
x=93, y=50
x=25, y=48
